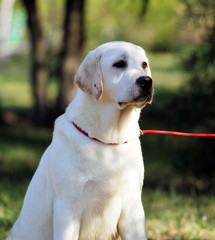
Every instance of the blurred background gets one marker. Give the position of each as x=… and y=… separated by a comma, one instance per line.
x=41, y=46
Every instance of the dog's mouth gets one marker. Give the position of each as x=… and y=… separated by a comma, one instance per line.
x=139, y=101
x=142, y=99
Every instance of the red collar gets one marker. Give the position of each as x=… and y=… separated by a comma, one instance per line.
x=87, y=135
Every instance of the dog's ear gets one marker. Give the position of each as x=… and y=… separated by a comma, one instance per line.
x=89, y=77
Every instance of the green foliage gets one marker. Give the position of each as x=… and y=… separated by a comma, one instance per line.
x=190, y=108
x=109, y=20
x=200, y=13
x=122, y=21
x=197, y=101
x=200, y=62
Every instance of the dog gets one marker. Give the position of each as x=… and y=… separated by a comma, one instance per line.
x=89, y=181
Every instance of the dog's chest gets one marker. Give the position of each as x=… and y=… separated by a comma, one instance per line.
x=104, y=193
x=100, y=217
x=102, y=211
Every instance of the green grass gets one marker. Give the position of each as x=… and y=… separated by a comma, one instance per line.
x=166, y=72
x=11, y=199
x=169, y=214
x=15, y=89
x=173, y=216
x=20, y=151
x=15, y=82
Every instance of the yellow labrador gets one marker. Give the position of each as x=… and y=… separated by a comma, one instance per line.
x=88, y=183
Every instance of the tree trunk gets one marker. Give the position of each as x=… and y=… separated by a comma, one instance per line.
x=69, y=58
x=144, y=8
x=39, y=70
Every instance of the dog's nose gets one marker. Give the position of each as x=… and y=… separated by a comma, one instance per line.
x=145, y=82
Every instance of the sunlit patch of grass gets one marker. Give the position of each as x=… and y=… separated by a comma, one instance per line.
x=15, y=95
x=166, y=71
x=173, y=216
x=15, y=82
x=11, y=199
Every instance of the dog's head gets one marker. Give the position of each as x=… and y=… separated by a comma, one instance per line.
x=118, y=72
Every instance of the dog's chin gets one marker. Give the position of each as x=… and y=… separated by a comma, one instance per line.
x=138, y=102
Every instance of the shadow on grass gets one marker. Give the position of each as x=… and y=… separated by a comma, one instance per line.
x=22, y=174
x=21, y=148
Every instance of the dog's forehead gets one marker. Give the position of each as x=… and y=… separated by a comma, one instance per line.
x=114, y=50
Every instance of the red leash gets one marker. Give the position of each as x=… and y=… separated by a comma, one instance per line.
x=178, y=133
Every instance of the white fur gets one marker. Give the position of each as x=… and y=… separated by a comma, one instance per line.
x=84, y=189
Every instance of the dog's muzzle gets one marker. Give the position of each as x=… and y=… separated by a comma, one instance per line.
x=145, y=89
x=143, y=93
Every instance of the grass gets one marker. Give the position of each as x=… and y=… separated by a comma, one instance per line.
x=173, y=216
x=11, y=199
x=21, y=149
x=166, y=72
x=169, y=214
x=15, y=90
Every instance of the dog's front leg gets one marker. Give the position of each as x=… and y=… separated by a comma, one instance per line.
x=66, y=220
x=132, y=220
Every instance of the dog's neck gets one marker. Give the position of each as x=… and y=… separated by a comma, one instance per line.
x=103, y=120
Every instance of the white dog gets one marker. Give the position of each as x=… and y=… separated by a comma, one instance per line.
x=89, y=181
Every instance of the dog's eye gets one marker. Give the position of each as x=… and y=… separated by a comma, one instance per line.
x=120, y=64
x=144, y=65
